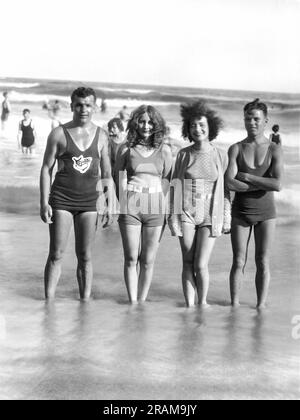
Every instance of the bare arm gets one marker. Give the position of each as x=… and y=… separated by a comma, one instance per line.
x=19, y=135
x=49, y=160
x=231, y=181
x=107, y=181
x=33, y=131
x=167, y=172
x=272, y=183
x=120, y=166
x=227, y=200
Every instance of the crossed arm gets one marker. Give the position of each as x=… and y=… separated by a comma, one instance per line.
x=245, y=182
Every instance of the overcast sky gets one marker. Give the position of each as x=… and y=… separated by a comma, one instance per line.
x=230, y=44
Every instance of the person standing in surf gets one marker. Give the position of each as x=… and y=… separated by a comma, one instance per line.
x=200, y=204
x=254, y=173
x=80, y=149
x=142, y=175
x=5, y=110
x=26, y=133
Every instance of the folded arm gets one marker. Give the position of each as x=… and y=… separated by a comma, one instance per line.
x=272, y=183
x=232, y=181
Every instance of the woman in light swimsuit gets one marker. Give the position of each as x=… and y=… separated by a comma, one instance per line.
x=142, y=166
x=200, y=206
x=254, y=173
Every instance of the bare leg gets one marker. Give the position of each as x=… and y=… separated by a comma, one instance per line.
x=204, y=246
x=85, y=229
x=131, y=235
x=264, y=235
x=59, y=232
x=239, y=237
x=188, y=246
x=150, y=242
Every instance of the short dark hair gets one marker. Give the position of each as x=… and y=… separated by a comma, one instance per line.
x=275, y=128
x=26, y=110
x=256, y=104
x=117, y=121
x=159, y=126
x=197, y=109
x=83, y=92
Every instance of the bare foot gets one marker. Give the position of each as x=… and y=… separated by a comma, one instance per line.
x=190, y=305
x=133, y=302
x=204, y=305
x=261, y=307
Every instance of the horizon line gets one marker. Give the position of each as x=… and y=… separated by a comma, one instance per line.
x=148, y=85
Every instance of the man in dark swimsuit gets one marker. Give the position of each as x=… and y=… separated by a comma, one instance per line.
x=254, y=173
x=80, y=149
x=26, y=133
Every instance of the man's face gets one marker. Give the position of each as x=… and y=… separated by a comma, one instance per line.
x=255, y=122
x=83, y=109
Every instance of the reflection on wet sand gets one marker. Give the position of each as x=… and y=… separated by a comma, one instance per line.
x=106, y=349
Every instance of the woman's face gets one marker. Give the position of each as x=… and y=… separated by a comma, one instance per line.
x=199, y=129
x=145, y=126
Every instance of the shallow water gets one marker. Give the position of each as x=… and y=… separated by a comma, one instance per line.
x=106, y=349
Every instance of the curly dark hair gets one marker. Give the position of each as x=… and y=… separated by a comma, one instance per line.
x=83, y=92
x=159, y=126
x=256, y=104
x=117, y=121
x=195, y=110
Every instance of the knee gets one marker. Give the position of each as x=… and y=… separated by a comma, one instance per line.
x=188, y=264
x=130, y=262
x=238, y=262
x=146, y=263
x=262, y=262
x=56, y=255
x=84, y=257
x=200, y=267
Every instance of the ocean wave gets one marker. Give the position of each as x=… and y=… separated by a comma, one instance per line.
x=133, y=103
x=142, y=91
x=290, y=199
x=118, y=90
x=36, y=97
x=19, y=85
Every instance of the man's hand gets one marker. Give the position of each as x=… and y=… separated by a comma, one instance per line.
x=242, y=176
x=46, y=214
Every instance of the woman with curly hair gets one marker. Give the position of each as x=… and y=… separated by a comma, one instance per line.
x=141, y=167
x=200, y=205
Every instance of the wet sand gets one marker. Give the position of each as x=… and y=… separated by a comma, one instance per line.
x=105, y=349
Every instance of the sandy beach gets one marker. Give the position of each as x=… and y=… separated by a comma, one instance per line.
x=106, y=349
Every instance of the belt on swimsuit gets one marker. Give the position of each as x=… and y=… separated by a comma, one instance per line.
x=147, y=190
x=203, y=196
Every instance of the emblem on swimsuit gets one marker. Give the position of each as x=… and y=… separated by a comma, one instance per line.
x=82, y=164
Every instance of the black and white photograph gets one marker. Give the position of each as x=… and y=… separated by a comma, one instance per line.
x=150, y=202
